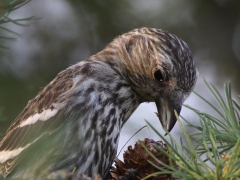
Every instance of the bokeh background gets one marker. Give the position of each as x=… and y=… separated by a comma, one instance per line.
x=69, y=31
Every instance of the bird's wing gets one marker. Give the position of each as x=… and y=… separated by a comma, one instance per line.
x=41, y=116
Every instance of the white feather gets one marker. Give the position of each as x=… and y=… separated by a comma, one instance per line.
x=6, y=155
x=43, y=116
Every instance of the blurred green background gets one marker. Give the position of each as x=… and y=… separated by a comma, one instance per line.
x=71, y=30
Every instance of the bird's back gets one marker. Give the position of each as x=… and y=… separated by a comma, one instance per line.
x=69, y=124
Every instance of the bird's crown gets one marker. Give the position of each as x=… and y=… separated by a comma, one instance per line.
x=153, y=59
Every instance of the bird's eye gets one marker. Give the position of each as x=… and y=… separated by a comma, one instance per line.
x=158, y=75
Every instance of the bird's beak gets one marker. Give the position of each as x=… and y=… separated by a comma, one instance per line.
x=166, y=107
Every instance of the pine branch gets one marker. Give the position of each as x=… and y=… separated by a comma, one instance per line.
x=216, y=139
x=6, y=7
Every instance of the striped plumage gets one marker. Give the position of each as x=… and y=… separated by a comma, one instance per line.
x=75, y=121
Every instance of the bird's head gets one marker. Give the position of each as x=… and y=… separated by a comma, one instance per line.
x=159, y=67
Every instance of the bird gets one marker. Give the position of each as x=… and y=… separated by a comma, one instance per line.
x=74, y=123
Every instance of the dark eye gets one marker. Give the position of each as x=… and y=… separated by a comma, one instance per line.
x=158, y=75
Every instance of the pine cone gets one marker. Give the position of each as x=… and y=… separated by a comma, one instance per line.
x=136, y=165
